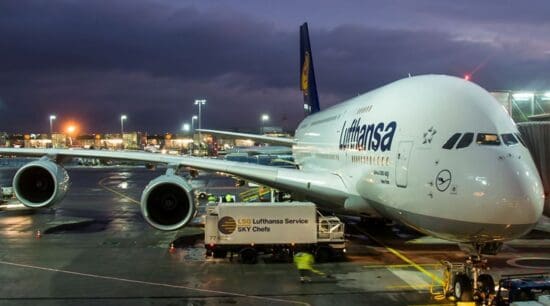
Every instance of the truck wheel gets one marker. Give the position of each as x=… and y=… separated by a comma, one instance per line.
x=486, y=284
x=462, y=288
x=338, y=255
x=219, y=253
x=323, y=254
x=248, y=256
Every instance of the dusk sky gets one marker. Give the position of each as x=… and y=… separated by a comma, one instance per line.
x=91, y=61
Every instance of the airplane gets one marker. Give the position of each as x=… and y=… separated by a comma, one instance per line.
x=434, y=152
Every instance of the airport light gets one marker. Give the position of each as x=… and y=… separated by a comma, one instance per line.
x=193, y=121
x=122, y=118
x=200, y=103
x=186, y=127
x=52, y=118
x=71, y=131
x=523, y=96
x=546, y=96
x=264, y=118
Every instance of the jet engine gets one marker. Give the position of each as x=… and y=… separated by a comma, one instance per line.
x=166, y=202
x=40, y=183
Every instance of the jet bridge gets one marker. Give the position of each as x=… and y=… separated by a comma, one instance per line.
x=525, y=106
x=537, y=139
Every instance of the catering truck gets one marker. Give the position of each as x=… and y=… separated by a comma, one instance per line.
x=279, y=228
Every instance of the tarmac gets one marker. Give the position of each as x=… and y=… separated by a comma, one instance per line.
x=94, y=248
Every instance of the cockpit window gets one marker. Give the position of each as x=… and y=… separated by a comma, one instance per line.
x=488, y=139
x=465, y=141
x=451, y=142
x=509, y=139
x=521, y=139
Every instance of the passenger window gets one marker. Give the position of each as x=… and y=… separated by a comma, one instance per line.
x=509, y=139
x=465, y=141
x=521, y=139
x=488, y=139
x=451, y=142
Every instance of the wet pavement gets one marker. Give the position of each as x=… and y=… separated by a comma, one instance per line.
x=94, y=248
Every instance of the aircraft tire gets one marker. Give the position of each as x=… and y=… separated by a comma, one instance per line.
x=486, y=284
x=462, y=288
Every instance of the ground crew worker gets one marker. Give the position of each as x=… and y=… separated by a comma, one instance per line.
x=304, y=263
x=229, y=198
x=211, y=198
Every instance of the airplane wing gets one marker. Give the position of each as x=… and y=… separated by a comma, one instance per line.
x=270, y=139
x=315, y=186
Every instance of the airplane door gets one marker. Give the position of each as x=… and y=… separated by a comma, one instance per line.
x=402, y=165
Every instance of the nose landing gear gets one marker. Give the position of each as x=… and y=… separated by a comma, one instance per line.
x=469, y=281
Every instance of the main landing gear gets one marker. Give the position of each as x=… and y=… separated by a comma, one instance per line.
x=469, y=281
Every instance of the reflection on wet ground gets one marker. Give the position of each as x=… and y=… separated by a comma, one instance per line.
x=95, y=248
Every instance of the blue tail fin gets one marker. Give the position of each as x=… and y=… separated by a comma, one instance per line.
x=307, y=74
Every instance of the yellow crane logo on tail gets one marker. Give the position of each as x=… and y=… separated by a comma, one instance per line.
x=305, y=74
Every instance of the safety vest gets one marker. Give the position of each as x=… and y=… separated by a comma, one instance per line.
x=228, y=198
x=211, y=198
x=304, y=261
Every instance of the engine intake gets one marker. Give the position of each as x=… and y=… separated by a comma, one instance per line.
x=167, y=204
x=40, y=183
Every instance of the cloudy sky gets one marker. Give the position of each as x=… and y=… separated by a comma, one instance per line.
x=90, y=61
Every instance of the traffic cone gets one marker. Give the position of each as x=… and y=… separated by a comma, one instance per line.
x=38, y=234
x=172, y=249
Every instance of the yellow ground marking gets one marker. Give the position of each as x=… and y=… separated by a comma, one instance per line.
x=415, y=265
x=395, y=252
x=100, y=183
x=449, y=304
x=423, y=286
x=380, y=266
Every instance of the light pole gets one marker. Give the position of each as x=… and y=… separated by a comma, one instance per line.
x=265, y=118
x=122, y=118
x=71, y=131
x=200, y=103
x=52, y=118
x=193, y=122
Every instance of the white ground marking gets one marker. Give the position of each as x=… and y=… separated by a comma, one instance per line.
x=150, y=283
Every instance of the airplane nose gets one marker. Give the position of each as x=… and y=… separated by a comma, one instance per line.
x=519, y=195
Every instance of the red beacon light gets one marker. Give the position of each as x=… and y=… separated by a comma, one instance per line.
x=467, y=77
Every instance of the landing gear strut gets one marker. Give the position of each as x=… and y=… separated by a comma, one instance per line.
x=470, y=281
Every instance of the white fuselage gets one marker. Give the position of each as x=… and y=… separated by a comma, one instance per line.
x=387, y=146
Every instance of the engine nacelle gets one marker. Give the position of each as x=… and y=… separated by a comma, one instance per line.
x=40, y=183
x=167, y=204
